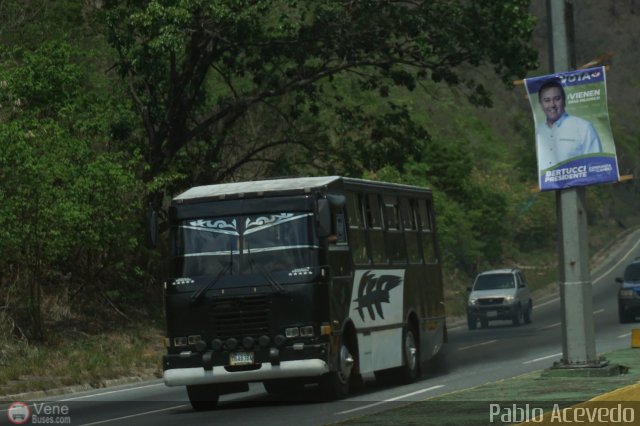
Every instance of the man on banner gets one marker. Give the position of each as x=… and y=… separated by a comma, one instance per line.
x=572, y=150
x=562, y=136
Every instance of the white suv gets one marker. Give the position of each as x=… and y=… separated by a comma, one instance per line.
x=499, y=294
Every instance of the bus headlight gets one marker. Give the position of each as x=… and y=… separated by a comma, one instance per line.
x=180, y=341
x=306, y=331
x=194, y=339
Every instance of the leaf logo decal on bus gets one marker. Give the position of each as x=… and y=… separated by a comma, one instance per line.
x=374, y=290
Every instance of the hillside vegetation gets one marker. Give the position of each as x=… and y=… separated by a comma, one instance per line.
x=107, y=108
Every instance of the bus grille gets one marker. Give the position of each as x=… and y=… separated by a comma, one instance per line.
x=240, y=316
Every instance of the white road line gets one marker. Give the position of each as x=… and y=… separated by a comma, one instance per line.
x=545, y=303
x=556, y=299
x=600, y=277
x=113, y=391
x=364, y=407
x=116, y=419
x=622, y=336
x=599, y=311
x=623, y=259
x=542, y=358
x=475, y=346
x=551, y=326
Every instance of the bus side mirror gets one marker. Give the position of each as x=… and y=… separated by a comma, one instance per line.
x=323, y=217
x=151, y=228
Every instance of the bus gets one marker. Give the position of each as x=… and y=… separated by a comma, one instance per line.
x=300, y=280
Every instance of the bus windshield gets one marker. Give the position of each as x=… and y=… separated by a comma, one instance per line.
x=282, y=244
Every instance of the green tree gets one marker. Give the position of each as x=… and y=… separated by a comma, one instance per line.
x=203, y=73
x=68, y=204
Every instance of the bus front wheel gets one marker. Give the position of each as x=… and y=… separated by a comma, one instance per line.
x=335, y=384
x=203, y=397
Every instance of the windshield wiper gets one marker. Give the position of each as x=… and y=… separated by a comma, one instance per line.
x=197, y=295
x=272, y=281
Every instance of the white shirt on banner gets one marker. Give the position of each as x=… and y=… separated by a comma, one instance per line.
x=568, y=137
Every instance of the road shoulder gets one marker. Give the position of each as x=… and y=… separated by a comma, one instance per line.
x=522, y=398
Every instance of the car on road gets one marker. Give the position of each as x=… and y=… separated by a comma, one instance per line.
x=629, y=292
x=499, y=294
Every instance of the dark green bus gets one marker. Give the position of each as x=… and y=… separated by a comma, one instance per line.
x=302, y=280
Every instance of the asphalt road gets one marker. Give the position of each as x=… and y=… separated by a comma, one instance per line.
x=471, y=358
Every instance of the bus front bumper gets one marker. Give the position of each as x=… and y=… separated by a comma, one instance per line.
x=266, y=371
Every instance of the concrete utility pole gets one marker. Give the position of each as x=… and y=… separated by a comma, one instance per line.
x=578, y=340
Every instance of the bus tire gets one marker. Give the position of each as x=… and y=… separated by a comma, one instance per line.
x=203, y=397
x=336, y=384
x=410, y=371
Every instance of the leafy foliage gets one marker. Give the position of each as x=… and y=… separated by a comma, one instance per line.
x=105, y=106
x=205, y=92
x=67, y=202
x=199, y=70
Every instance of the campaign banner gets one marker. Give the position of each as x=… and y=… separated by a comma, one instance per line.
x=574, y=142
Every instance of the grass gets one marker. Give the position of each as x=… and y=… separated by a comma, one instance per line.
x=81, y=359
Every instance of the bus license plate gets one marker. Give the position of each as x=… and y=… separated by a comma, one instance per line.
x=492, y=314
x=241, y=358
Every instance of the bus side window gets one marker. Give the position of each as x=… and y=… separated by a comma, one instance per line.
x=428, y=237
x=394, y=239
x=410, y=227
x=374, y=229
x=357, y=233
x=354, y=210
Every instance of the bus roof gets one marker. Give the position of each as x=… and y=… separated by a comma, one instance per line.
x=298, y=184
x=273, y=185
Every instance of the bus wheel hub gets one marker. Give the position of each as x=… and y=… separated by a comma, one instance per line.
x=346, y=362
